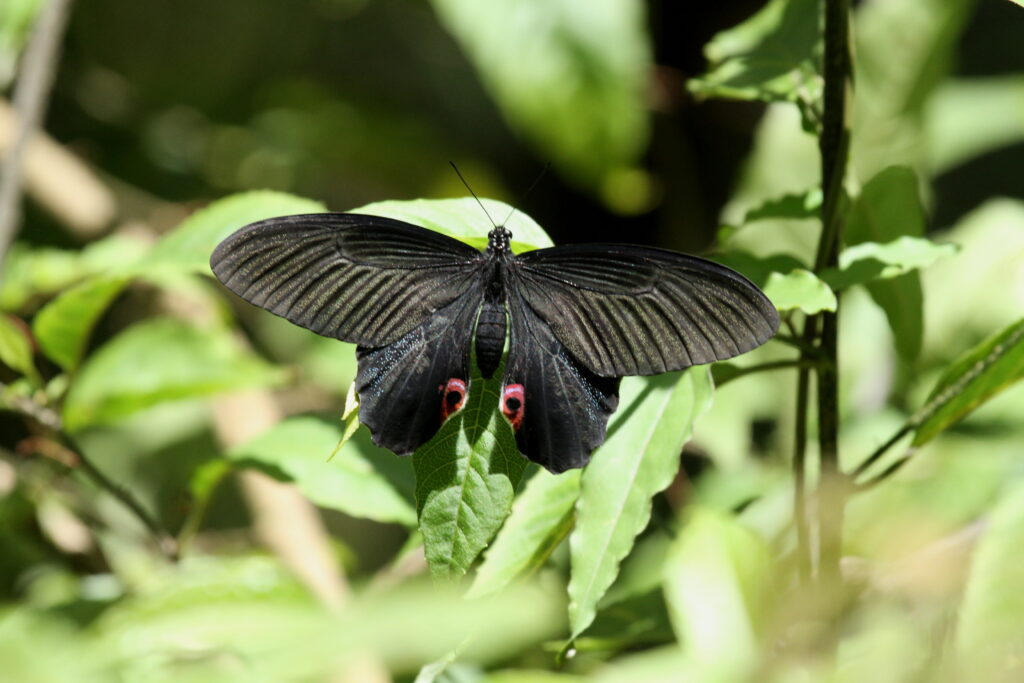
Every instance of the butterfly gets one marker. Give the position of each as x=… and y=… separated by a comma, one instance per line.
x=421, y=306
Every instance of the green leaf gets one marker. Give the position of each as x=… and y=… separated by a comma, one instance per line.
x=249, y=610
x=990, y=624
x=889, y=207
x=717, y=580
x=793, y=206
x=769, y=57
x=799, y=289
x=63, y=326
x=16, y=349
x=464, y=220
x=188, y=247
x=160, y=360
x=974, y=378
x=541, y=517
x=579, y=90
x=32, y=273
x=953, y=136
x=869, y=261
x=297, y=450
x=896, y=77
x=639, y=459
x=465, y=481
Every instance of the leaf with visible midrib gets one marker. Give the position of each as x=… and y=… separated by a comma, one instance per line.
x=541, y=517
x=974, y=378
x=465, y=481
x=639, y=459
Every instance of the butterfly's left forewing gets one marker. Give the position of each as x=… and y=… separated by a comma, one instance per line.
x=406, y=295
x=362, y=279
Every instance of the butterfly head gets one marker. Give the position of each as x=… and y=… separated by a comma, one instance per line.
x=498, y=240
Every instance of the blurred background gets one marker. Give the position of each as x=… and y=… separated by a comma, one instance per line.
x=159, y=108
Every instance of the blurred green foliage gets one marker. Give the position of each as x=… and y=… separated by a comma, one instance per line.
x=672, y=556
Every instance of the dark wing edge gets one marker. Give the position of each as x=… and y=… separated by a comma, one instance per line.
x=628, y=310
x=566, y=407
x=400, y=385
x=363, y=279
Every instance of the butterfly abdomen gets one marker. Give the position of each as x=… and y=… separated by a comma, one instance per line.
x=490, y=337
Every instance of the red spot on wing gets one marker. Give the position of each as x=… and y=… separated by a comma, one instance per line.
x=453, y=396
x=513, y=404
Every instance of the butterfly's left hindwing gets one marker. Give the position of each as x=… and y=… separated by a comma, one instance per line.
x=402, y=385
x=565, y=407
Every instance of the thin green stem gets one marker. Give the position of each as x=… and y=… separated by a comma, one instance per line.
x=765, y=367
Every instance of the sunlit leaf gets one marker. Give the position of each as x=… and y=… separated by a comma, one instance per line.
x=799, y=289
x=973, y=379
x=188, y=247
x=577, y=90
x=953, y=135
x=465, y=481
x=464, y=219
x=35, y=273
x=63, y=326
x=160, y=360
x=889, y=207
x=639, y=459
x=717, y=579
x=770, y=56
x=990, y=624
x=869, y=261
x=16, y=349
x=235, y=610
x=28, y=640
x=806, y=205
x=297, y=450
x=541, y=518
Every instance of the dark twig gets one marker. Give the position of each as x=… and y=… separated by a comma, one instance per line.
x=30, y=95
x=834, y=145
x=168, y=546
x=61, y=447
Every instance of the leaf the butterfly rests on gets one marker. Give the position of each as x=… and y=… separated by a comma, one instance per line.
x=577, y=317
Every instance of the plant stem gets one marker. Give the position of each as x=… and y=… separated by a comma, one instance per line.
x=50, y=422
x=834, y=146
x=765, y=367
x=30, y=94
x=164, y=541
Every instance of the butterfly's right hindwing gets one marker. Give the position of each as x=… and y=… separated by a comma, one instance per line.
x=361, y=279
x=565, y=406
x=401, y=385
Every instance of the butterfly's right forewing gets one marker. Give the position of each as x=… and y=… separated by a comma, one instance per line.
x=361, y=279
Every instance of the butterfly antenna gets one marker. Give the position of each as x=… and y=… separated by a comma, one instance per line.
x=458, y=173
x=527, y=193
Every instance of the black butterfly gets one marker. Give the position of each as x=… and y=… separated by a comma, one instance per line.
x=581, y=317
